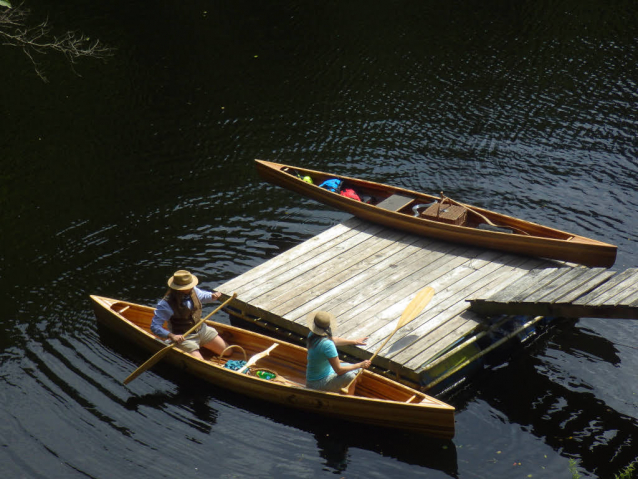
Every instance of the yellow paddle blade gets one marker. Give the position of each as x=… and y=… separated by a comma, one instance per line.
x=412, y=310
x=417, y=304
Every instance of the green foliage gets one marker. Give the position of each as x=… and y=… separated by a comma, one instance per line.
x=573, y=470
x=5, y=3
x=628, y=472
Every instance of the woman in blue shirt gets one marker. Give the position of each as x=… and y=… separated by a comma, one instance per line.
x=324, y=371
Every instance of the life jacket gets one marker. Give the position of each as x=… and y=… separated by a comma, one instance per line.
x=332, y=184
x=183, y=317
x=350, y=193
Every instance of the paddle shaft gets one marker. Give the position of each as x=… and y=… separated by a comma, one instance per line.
x=412, y=310
x=160, y=354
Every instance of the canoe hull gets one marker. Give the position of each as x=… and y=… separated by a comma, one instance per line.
x=383, y=401
x=539, y=241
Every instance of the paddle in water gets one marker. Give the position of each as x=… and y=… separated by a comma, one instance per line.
x=413, y=309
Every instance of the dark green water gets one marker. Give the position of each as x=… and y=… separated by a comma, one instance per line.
x=113, y=179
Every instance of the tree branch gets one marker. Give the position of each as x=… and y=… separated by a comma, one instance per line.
x=39, y=40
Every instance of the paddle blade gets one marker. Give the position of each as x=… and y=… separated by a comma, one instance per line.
x=412, y=310
x=417, y=304
x=257, y=357
x=149, y=363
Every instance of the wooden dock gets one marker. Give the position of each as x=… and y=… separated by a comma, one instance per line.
x=366, y=275
x=567, y=292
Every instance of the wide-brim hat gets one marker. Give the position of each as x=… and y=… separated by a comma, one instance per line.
x=320, y=321
x=182, y=280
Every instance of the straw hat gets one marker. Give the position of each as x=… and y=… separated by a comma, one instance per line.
x=182, y=280
x=320, y=321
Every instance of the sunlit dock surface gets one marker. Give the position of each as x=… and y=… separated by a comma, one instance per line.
x=366, y=275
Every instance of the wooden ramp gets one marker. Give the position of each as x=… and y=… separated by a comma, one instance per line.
x=567, y=292
x=366, y=275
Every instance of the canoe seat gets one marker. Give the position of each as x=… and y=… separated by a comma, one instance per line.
x=395, y=202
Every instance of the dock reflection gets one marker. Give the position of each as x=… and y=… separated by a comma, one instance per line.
x=531, y=391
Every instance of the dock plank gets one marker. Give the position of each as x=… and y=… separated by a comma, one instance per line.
x=322, y=268
x=269, y=269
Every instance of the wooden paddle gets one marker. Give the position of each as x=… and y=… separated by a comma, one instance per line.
x=256, y=357
x=160, y=354
x=413, y=309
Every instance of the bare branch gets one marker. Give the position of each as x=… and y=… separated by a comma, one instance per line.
x=39, y=40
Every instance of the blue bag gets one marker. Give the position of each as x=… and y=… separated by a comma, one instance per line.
x=332, y=184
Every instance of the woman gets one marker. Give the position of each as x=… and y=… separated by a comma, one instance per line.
x=181, y=309
x=324, y=371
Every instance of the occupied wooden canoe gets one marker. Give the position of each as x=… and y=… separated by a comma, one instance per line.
x=441, y=218
x=378, y=400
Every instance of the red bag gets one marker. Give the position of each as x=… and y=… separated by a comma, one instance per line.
x=350, y=193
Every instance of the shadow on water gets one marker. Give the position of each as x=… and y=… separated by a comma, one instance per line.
x=334, y=437
x=529, y=392
x=190, y=397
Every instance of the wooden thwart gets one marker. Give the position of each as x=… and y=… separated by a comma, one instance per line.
x=395, y=202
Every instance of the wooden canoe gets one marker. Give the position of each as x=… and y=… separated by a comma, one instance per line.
x=450, y=220
x=377, y=401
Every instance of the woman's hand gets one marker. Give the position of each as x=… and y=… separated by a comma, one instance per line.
x=361, y=341
x=364, y=364
x=216, y=295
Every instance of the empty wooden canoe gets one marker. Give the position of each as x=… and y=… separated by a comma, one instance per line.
x=440, y=218
x=378, y=400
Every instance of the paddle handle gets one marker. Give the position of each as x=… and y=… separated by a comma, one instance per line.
x=345, y=389
x=160, y=354
x=201, y=321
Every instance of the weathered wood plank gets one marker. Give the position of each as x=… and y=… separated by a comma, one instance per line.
x=455, y=309
x=527, y=284
x=287, y=275
x=591, y=279
x=560, y=283
x=605, y=291
x=459, y=327
x=322, y=269
x=347, y=282
x=625, y=289
x=453, y=290
x=268, y=269
x=394, y=293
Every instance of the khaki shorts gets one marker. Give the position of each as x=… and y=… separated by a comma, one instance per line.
x=195, y=340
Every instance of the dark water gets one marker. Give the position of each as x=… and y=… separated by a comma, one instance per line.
x=113, y=179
